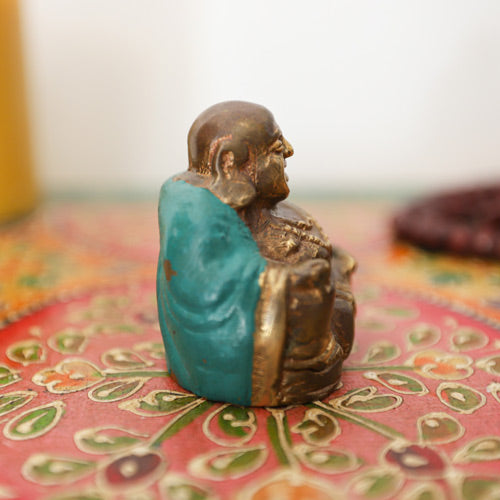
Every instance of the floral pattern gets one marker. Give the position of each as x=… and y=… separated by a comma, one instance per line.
x=69, y=376
x=88, y=411
x=441, y=365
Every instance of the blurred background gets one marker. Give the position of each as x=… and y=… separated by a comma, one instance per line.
x=376, y=97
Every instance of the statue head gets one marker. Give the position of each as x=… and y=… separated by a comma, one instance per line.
x=241, y=149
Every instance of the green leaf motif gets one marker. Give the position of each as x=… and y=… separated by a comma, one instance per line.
x=69, y=341
x=377, y=483
x=327, y=460
x=11, y=401
x=183, y=418
x=230, y=425
x=460, y=398
x=177, y=487
x=34, y=422
x=425, y=491
x=106, y=439
x=278, y=431
x=228, y=464
x=159, y=403
x=116, y=390
x=479, y=450
x=481, y=488
x=236, y=421
x=8, y=376
x=186, y=492
x=366, y=399
x=423, y=335
x=317, y=427
x=124, y=359
x=26, y=352
x=48, y=470
x=468, y=339
x=403, y=384
x=381, y=352
x=439, y=428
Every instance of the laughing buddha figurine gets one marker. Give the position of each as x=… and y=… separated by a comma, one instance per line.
x=255, y=305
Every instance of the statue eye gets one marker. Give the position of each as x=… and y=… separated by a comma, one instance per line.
x=277, y=146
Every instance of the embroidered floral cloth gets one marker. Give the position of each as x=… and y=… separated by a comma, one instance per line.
x=88, y=412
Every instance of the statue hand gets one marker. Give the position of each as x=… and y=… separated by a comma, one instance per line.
x=313, y=273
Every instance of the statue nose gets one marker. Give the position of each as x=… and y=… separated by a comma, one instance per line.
x=288, y=149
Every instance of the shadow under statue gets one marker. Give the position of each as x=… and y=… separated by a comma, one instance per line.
x=255, y=304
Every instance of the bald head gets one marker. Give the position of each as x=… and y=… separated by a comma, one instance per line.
x=243, y=128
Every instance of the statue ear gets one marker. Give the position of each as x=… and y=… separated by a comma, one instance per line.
x=230, y=185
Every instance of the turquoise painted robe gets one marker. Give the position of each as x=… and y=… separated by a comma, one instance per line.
x=208, y=290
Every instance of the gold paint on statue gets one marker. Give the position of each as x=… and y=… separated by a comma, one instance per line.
x=269, y=336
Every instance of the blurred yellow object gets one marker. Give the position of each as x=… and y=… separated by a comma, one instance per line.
x=17, y=188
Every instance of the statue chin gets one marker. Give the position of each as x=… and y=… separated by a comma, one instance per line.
x=285, y=191
x=277, y=194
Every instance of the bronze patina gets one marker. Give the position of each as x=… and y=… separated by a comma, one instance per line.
x=303, y=321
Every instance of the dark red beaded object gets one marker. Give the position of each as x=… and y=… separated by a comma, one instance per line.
x=465, y=222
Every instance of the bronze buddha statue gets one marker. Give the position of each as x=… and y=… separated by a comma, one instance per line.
x=255, y=304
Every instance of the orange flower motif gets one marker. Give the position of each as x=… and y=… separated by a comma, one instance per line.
x=70, y=375
x=292, y=487
x=284, y=489
x=440, y=365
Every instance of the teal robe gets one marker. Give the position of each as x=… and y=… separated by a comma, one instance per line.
x=207, y=290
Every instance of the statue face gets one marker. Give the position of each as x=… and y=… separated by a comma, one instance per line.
x=270, y=177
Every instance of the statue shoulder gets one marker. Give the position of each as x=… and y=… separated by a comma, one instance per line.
x=185, y=193
x=178, y=183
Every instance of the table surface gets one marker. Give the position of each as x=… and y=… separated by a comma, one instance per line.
x=88, y=411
